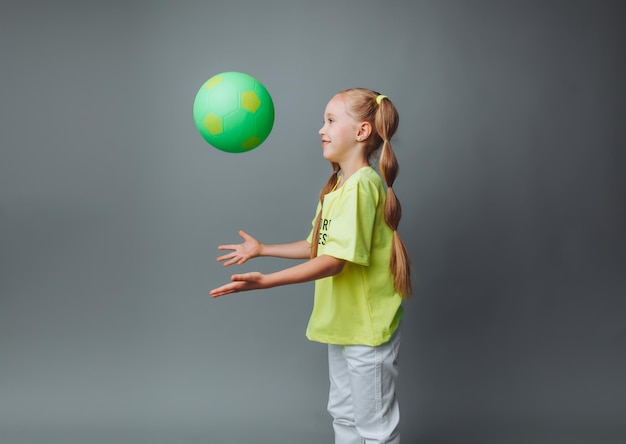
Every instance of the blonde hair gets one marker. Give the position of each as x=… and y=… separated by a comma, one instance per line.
x=363, y=106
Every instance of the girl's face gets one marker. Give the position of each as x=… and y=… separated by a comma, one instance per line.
x=339, y=133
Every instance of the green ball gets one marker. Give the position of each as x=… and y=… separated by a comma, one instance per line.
x=233, y=112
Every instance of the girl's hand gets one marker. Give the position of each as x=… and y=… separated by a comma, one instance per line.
x=240, y=282
x=248, y=249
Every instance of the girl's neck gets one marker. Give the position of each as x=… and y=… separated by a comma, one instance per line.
x=349, y=170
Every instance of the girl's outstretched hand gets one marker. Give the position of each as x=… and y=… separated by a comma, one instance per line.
x=240, y=282
x=240, y=253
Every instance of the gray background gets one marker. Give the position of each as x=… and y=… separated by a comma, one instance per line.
x=511, y=147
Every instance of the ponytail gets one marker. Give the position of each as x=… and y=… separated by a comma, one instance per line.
x=386, y=123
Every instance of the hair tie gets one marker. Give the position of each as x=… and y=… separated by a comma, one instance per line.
x=380, y=98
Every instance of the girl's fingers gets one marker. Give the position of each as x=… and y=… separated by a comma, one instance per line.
x=234, y=259
x=221, y=291
x=225, y=256
x=245, y=236
x=216, y=293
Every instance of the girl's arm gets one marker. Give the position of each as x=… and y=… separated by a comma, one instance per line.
x=294, y=250
x=316, y=268
x=251, y=248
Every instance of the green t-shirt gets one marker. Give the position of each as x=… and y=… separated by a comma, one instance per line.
x=358, y=306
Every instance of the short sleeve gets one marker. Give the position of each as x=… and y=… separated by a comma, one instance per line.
x=348, y=225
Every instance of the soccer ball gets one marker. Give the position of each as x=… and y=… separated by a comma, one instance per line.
x=233, y=112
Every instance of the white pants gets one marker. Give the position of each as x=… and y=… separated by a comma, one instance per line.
x=362, y=398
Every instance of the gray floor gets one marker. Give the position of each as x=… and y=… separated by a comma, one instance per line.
x=280, y=434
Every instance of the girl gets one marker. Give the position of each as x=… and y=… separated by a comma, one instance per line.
x=360, y=267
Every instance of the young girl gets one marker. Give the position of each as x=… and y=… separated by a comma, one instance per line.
x=360, y=267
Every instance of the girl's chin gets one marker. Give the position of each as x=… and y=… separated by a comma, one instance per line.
x=328, y=156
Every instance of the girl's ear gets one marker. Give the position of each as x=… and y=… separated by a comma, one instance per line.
x=364, y=131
